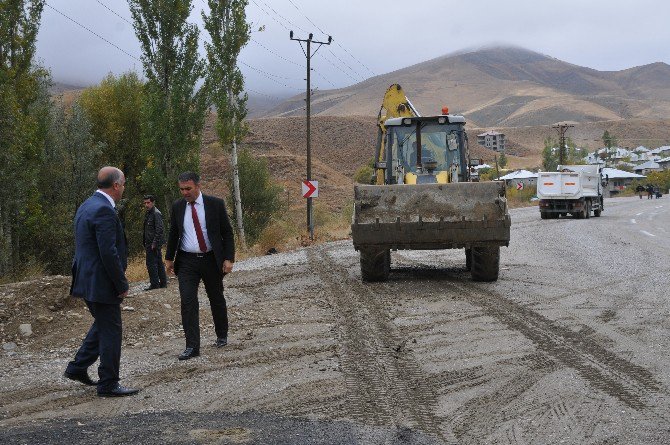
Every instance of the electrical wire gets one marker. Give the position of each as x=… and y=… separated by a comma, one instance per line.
x=92, y=32
x=336, y=42
x=114, y=12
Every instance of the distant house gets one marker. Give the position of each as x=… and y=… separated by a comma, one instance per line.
x=492, y=140
x=618, y=180
x=661, y=152
x=520, y=176
x=647, y=167
x=664, y=163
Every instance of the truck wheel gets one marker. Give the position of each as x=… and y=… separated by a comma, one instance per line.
x=468, y=259
x=587, y=209
x=544, y=215
x=485, y=263
x=375, y=264
x=597, y=212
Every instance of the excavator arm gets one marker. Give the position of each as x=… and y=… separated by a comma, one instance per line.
x=395, y=104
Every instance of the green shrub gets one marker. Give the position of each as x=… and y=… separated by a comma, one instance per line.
x=261, y=199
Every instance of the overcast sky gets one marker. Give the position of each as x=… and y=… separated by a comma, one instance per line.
x=370, y=36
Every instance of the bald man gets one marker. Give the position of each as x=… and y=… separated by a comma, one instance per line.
x=98, y=276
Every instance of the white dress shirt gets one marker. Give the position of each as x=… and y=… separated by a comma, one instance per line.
x=109, y=198
x=189, y=240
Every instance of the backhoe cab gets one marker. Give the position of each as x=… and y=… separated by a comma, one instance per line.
x=425, y=150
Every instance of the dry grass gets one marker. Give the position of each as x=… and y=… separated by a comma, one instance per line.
x=29, y=271
x=137, y=268
x=521, y=198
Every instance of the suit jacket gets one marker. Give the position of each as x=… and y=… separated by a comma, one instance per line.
x=219, y=230
x=98, y=268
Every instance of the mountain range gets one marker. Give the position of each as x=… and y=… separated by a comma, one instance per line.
x=504, y=87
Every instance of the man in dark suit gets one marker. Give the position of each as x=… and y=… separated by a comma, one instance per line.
x=98, y=276
x=200, y=246
x=153, y=241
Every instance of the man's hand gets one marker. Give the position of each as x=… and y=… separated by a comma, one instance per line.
x=227, y=266
x=153, y=246
x=169, y=267
x=123, y=295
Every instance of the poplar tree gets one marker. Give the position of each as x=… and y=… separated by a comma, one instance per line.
x=24, y=105
x=229, y=33
x=174, y=109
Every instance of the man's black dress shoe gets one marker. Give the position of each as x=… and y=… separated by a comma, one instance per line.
x=80, y=377
x=221, y=342
x=118, y=391
x=189, y=353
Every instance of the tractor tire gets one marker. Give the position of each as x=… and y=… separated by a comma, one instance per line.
x=485, y=263
x=587, y=209
x=468, y=259
x=375, y=264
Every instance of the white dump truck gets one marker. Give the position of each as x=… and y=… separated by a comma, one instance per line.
x=573, y=189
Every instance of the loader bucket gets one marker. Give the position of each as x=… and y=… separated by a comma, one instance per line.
x=430, y=216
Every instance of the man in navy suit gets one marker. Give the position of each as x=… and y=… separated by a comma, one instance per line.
x=98, y=276
x=200, y=246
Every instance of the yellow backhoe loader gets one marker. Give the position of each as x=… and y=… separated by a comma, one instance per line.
x=424, y=197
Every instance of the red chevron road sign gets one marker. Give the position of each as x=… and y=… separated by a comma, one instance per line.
x=310, y=189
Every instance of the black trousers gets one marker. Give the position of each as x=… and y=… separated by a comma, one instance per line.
x=193, y=268
x=156, y=268
x=103, y=340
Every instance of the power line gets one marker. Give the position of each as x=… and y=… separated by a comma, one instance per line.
x=323, y=77
x=275, y=53
x=114, y=12
x=346, y=64
x=269, y=15
x=258, y=93
x=92, y=32
x=308, y=19
x=264, y=73
x=324, y=33
x=270, y=76
x=352, y=56
x=285, y=27
x=282, y=17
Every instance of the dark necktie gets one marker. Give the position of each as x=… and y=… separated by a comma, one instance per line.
x=198, y=229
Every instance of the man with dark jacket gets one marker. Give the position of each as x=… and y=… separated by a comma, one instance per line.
x=200, y=246
x=98, y=276
x=153, y=241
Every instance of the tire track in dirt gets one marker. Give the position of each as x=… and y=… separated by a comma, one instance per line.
x=385, y=385
x=627, y=382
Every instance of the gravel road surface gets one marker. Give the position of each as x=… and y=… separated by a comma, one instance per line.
x=571, y=345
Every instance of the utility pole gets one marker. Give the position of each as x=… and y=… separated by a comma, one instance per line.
x=308, y=54
x=561, y=128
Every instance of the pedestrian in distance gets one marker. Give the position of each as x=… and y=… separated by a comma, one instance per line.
x=153, y=239
x=650, y=191
x=200, y=247
x=640, y=190
x=98, y=276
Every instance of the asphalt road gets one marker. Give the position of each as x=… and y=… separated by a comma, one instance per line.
x=571, y=345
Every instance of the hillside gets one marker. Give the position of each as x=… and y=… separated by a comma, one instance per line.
x=506, y=87
x=341, y=144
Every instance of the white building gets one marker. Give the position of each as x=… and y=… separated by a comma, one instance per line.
x=492, y=140
x=618, y=180
x=520, y=176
